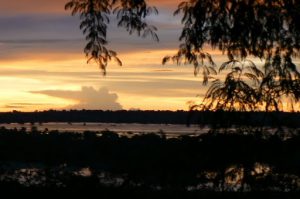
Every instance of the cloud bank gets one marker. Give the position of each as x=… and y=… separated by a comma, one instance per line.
x=88, y=98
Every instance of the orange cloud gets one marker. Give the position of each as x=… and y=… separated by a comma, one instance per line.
x=165, y=3
x=20, y=7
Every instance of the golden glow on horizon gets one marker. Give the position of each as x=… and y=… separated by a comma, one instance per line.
x=52, y=72
x=142, y=83
x=35, y=72
x=15, y=96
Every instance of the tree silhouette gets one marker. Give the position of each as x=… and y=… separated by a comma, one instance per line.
x=55, y=160
x=94, y=16
x=265, y=29
x=234, y=94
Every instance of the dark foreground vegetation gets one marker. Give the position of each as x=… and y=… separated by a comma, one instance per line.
x=244, y=163
x=220, y=117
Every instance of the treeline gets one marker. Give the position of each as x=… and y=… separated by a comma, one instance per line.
x=150, y=163
x=156, y=117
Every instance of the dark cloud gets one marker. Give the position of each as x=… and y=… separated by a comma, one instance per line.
x=44, y=33
x=54, y=49
x=13, y=107
x=39, y=27
x=27, y=104
x=163, y=70
x=23, y=105
x=88, y=98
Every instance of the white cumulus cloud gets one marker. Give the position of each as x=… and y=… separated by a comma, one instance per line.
x=87, y=97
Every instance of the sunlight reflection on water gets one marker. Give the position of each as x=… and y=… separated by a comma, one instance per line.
x=122, y=128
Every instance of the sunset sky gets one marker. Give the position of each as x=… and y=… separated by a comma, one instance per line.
x=43, y=65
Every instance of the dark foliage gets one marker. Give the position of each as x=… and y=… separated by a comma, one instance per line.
x=228, y=162
x=264, y=29
x=95, y=16
x=205, y=118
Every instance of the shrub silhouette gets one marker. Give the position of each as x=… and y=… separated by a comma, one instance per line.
x=226, y=162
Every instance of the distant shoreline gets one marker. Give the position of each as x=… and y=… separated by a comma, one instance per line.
x=272, y=119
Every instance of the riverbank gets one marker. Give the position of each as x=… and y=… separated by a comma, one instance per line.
x=219, y=118
x=241, y=161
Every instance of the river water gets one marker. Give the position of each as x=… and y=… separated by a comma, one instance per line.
x=122, y=128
